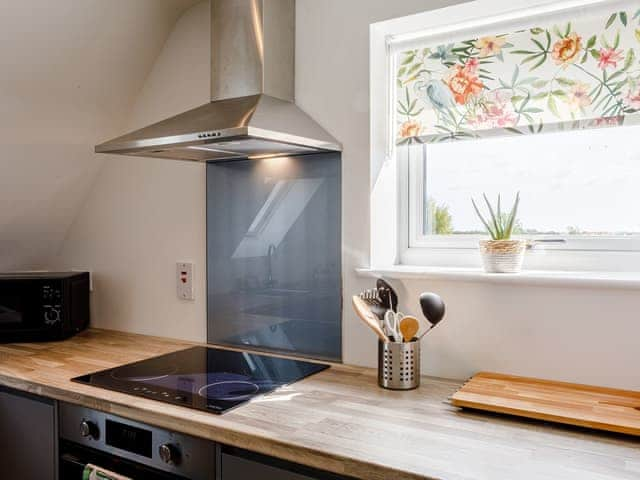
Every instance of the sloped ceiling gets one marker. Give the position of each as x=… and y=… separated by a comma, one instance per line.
x=70, y=71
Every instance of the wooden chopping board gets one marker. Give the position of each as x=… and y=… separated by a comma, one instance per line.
x=583, y=405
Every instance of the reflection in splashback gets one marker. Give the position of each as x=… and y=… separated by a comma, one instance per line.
x=285, y=203
x=273, y=254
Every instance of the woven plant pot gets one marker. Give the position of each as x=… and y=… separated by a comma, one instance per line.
x=502, y=256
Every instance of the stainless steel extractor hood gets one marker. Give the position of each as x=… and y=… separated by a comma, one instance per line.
x=252, y=111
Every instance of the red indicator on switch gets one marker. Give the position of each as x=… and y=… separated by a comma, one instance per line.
x=184, y=280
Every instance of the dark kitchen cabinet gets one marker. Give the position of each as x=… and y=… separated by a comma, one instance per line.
x=27, y=436
x=238, y=464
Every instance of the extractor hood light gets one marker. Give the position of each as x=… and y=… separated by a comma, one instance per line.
x=266, y=155
x=203, y=148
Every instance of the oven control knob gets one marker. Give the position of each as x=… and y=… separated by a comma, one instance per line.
x=169, y=453
x=89, y=429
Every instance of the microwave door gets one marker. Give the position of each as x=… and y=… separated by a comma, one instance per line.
x=20, y=306
x=12, y=309
x=9, y=316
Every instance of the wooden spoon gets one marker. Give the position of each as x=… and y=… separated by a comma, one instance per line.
x=409, y=326
x=368, y=317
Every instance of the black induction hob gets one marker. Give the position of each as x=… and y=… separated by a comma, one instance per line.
x=205, y=378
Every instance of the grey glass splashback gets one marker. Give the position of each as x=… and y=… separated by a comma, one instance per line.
x=273, y=254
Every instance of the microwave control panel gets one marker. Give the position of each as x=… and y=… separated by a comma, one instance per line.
x=52, y=304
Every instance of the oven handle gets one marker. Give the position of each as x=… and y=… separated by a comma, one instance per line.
x=87, y=468
x=68, y=458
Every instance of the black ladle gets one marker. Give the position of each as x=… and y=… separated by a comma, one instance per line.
x=432, y=308
x=387, y=294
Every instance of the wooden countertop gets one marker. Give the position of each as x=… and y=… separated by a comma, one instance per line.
x=337, y=420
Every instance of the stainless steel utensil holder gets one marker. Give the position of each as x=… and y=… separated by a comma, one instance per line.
x=399, y=365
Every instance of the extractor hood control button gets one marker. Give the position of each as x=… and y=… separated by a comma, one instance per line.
x=89, y=429
x=169, y=454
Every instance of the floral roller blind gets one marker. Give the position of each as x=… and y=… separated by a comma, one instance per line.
x=575, y=73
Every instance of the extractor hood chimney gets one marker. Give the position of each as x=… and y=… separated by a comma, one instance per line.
x=252, y=113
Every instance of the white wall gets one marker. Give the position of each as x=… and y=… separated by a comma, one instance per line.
x=143, y=215
x=68, y=77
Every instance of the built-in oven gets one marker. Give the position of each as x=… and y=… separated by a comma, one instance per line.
x=129, y=449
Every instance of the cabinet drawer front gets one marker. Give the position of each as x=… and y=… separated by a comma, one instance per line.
x=237, y=467
x=27, y=436
x=237, y=464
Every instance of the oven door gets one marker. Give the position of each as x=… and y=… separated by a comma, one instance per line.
x=74, y=458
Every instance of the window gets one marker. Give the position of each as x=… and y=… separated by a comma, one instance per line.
x=540, y=132
x=578, y=188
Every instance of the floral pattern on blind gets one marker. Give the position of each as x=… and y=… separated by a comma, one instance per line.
x=579, y=74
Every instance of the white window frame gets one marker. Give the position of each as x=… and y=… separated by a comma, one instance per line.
x=396, y=182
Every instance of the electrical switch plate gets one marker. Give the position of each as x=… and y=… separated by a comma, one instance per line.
x=184, y=280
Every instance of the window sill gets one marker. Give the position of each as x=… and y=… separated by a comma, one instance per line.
x=620, y=280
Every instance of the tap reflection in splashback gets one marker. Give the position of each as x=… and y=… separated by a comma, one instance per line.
x=270, y=282
x=273, y=254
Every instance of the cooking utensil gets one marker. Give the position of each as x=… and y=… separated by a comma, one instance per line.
x=392, y=323
x=374, y=301
x=368, y=317
x=388, y=321
x=433, y=309
x=388, y=296
x=409, y=326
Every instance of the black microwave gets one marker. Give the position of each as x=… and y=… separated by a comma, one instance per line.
x=43, y=306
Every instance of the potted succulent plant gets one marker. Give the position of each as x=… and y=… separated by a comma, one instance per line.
x=501, y=254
